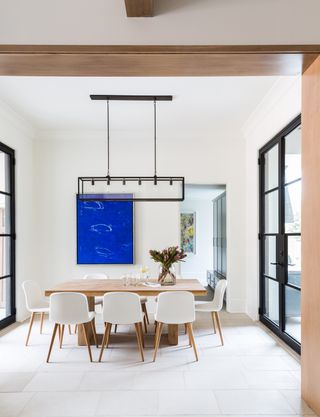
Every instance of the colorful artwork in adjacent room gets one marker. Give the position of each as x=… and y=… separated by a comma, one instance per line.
x=188, y=232
x=105, y=232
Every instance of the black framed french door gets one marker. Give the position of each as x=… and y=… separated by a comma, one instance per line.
x=7, y=236
x=280, y=234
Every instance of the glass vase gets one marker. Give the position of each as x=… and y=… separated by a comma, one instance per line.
x=167, y=276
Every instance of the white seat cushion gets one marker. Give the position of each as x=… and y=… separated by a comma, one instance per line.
x=205, y=307
x=40, y=310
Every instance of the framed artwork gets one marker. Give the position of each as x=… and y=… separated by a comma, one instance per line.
x=188, y=232
x=105, y=232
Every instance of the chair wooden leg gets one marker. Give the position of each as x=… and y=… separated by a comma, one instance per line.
x=61, y=335
x=52, y=340
x=158, y=337
x=144, y=309
x=93, y=327
x=104, y=340
x=156, y=324
x=139, y=340
x=41, y=322
x=189, y=325
x=69, y=327
x=219, y=326
x=145, y=324
x=189, y=337
x=213, y=322
x=87, y=341
x=75, y=329
x=59, y=332
x=108, y=336
x=185, y=329
x=30, y=327
x=141, y=334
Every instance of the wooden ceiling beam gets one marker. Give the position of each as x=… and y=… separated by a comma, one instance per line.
x=139, y=8
x=156, y=60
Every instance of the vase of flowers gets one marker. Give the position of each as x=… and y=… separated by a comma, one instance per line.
x=167, y=258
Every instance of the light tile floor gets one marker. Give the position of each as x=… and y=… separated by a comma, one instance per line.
x=253, y=374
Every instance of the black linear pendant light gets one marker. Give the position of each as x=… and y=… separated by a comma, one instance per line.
x=118, y=188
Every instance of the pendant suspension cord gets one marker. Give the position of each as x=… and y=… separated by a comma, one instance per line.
x=108, y=141
x=155, y=135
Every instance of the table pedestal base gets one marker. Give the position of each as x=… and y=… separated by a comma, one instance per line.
x=81, y=338
x=173, y=330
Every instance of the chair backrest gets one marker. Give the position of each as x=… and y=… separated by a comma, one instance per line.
x=33, y=294
x=69, y=308
x=97, y=275
x=121, y=308
x=176, y=307
x=220, y=289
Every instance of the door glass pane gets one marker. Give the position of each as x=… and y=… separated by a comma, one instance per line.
x=4, y=172
x=5, y=268
x=272, y=300
x=271, y=176
x=5, y=214
x=270, y=256
x=293, y=313
x=292, y=195
x=271, y=212
x=293, y=155
x=294, y=260
x=219, y=235
x=5, y=299
x=224, y=237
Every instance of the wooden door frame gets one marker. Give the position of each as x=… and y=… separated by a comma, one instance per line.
x=180, y=60
x=156, y=60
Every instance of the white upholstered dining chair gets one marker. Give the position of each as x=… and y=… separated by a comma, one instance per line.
x=97, y=275
x=36, y=303
x=176, y=307
x=71, y=308
x=97, y=300
x=215, y=306
x=122, y=308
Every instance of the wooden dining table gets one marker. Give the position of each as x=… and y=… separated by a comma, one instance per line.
x=98, y=287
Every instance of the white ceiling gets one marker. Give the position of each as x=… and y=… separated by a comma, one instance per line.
x=177, y=22
x=199, y=103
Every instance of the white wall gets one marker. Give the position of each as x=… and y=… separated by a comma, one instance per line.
x=176, y=22
x=198, y=263
x=15, y=133
x=61, y=157
x=47, y=170
x=277, y=109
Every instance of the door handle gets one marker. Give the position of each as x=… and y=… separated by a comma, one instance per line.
x=276, y=263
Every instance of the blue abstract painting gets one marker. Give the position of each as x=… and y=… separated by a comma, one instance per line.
x=104, y=232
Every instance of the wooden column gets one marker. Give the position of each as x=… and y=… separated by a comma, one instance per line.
x=310, y=304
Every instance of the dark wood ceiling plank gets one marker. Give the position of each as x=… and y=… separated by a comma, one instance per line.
x=139, y=8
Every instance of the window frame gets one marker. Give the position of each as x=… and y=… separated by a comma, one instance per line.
x=12, y=235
